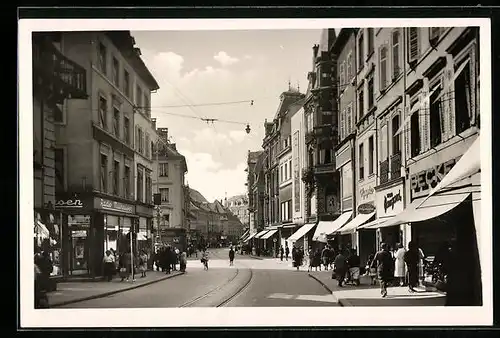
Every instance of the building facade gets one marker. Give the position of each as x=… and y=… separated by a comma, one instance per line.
x=97, y=150
x=256, y=190
x=238, y=205
x=52, y=89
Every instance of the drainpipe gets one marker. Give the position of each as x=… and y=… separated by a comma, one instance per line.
x=353, y=141
x=406, y=187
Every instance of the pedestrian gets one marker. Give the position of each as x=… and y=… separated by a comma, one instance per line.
x=109, y=265
x=383, y=262
x=125, y=266
x=183, y=261
x=411, y=259
x=143, y=263
x=296, y=261
x=204, y=259
x=231, y=256
x=167, y=257
x=339, y=268
x=372, y=272
x=282, y=252
x=287, y=252
x=325, y=257
x=399, y=264
x=354, y=263
x=317, y=259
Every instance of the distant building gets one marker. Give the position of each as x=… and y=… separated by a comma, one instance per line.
x=238, y=205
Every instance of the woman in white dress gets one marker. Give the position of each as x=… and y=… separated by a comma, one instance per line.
x=399, y=264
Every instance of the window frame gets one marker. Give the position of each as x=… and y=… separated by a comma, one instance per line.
x=436, y=82
x=102, y=56
x=103, y=114
x=116, y=178
x=361, y=160
x=116, y=71
x=413, y=58
x=371, y=155
x=104, y=176
x=361, y=52
x=116, y=122
x=396, y=65
x=383, y=70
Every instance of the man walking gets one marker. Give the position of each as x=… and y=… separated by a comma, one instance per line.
x=287, y=251
x=231, y=256
x=281, y=252
x=383, y=263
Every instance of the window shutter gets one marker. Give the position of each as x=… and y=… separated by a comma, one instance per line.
x=413, y=42
x=136, y=141
x=424, y=120
x=383, y=67
x=473, y=85
x=449, y=87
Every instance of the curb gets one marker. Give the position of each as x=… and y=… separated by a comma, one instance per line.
x=109, y=293
x=339, y=301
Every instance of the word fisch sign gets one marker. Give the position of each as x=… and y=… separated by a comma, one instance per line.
x=113, y=205
x=422, y=182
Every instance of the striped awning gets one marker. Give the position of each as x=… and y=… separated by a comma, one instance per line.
x=260, y=234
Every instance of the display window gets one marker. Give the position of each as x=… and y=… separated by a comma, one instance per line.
x=48, y=237
x=78, y=231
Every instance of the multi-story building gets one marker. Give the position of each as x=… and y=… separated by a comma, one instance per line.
x=238, y=205
x=170, y=170
x=256, y=190
x=97, y=152
x=57, y=80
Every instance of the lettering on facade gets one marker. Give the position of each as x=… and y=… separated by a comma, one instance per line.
x=423, y=181
x=69, y=204
x=364, y=193
x=113, y=205
x=391, y=199
x=366, y=208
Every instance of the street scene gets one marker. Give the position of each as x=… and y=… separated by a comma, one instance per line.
x=331, y=167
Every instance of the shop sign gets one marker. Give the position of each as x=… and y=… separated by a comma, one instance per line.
x=366, y=208
x=421, y=183
x=79, y=220
x=366, y=192
x=116, y=206
x=69, y=203
x=78, y=233
x=390, y=201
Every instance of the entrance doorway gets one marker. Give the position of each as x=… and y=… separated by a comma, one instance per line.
x=79, y=253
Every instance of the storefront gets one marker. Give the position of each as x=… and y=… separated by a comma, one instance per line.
x=284, y=232
x=144, y=236
x=390, y=202
x=48, y=237
x=302, y=237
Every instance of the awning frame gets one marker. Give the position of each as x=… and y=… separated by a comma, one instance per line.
x=268, y=234
x=307, y=226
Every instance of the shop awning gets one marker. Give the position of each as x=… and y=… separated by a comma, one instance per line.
x=260, y=234
x=436, y=205
x=301, y=232
x=245, y=234
x=468, y=165
x=250, y=237
x=269, y=234
x=274, y=227
x=326, y=228
x=42, y=230
x=378, y=223
x=355, y=223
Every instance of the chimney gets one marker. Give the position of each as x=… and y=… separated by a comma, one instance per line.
x=153, y=122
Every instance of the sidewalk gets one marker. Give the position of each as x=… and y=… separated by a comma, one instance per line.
x=369, y=295
x=73, y=292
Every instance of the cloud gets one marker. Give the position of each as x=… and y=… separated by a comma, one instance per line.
x=238, y=135
x=247, y=57
x=224, y=59
x=211, y=137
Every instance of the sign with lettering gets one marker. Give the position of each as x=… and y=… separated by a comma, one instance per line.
x=79, y=220
x=390, y=201
x=69, y=203
x=116, y=206
x=366, y=208
x=366, y=193
x=421, y=183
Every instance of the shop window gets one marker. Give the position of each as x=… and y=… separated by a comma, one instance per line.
x=103, y=112
x=371, y=38
x=371, y=153
x=102, y=58
x=361, y=52
x=59, y=169
x=126, y=182
x=396, y=63
x=126, y=129
x=371, y=93
x=435, y=114
x=164, y=169
x=165, y=195
x=463, y=106
x=361, y=103
x=361, y=162
x=116, y=177
x=415, y=131
x=116, y=72
x=104, y=173
x=126, y=83
x=116, y=122
x=396, y=145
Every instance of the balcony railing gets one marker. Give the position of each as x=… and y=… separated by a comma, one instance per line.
x=384, y=171
x=67, y=76
x=396, y=166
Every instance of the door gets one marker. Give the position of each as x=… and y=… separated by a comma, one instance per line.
x=79, y=253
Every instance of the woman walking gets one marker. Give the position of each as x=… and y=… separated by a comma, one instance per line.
x=399, y=264
x=204, y=259
x=143, y=263
x=411, y=259
x=109, y=265
x=339, y=268
x=125, y=266
x=183, y=261
x=384, y=264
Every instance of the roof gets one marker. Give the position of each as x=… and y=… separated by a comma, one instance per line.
x=196, y=196
x=237, y=197
x=253, y=156
x=286, y=99
x=341, y=40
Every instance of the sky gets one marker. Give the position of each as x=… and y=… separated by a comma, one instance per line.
x=200, y=67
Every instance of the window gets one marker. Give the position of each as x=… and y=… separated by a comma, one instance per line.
x=371, y=155
x=349, y=71
x=140, y=140
x=415, y=131
x=116, y=177
x=361, y=52
x=149, y=189
x=126, y=129
x=126, y=182
x=164, y=169
x=116, y=72
x=59, y=168
x=342, y=75
x=146, y=143
x=104, y=173
x=383, y=67
x=383, y=143
x=140, y=186
x=126, y=83
x=349, y=120
x=396, y=145
x=138, y=97
x=361, y=103
x=396, y=65
x=165, y=195
x=328, y=156
x=116, y=122
x=371, y=38
x=342, y=118
x=435, y=114
x=103, y=112
x=463, y=99
x=413, y=44
x=361, y=162
x=282, y=177
x=146, y=106
x=290, y=169
x=102, y=58
x=371, y=93
x=285, y=143
x=434, y=34
x=59, y=112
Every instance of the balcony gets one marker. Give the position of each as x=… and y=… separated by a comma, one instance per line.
x=384, y=171
x=396, y=166
x=325, y=168
x=324, y=130
x=57, y=73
